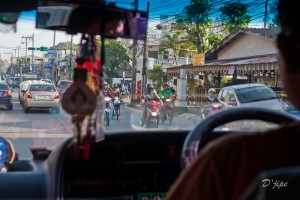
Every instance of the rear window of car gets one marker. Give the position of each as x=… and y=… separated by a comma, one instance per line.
x=4, y=87
x=254, y=94
x=16, y=79
x=42, y=88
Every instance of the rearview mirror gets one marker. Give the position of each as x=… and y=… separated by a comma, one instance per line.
x=105, y=20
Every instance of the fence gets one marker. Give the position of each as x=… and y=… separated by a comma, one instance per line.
x=198, y=99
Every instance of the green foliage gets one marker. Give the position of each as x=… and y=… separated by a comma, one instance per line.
x=235, y=15
x=273, y=8
x=172, y=41
x=156, y=74
x=115, y=55
x=64, y=45
x=225, y=80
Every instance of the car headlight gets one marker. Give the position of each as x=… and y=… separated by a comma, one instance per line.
x=168, y=100
x=154, y=114
x=107, y=98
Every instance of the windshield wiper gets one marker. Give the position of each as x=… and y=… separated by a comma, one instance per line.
x=256, y=100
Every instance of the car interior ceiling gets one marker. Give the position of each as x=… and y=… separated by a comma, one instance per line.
x=123, y=166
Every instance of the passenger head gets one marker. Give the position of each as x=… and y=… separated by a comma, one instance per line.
x=288, y=43
x=150, y=87
x=211, y=92
x=165, y=86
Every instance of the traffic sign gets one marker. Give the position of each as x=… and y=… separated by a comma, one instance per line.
x=44, y=49
x=33, y=48
x=38, y=48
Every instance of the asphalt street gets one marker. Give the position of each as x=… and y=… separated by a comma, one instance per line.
x=47, y=129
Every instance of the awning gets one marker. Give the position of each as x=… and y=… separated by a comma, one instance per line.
x=246, y=65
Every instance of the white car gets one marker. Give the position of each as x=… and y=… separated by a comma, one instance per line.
x=250, y=95
x=41, y=96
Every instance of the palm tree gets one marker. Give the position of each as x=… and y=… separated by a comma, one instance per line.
x=172, y=41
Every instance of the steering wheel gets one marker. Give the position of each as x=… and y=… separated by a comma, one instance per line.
x=198, y=137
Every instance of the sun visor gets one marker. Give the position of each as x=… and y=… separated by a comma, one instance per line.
x=111, y=22
x=17, y=5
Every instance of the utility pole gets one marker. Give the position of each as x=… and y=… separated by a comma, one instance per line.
x=145, y=59
x=53, y=68
x=70, y=67
x=26, y=38
x=32, y=52
x=134, y=63
x=266, y=14
x=18, y=64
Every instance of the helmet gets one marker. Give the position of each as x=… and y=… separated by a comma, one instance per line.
x=104, y=83
x=211, y=90
x=150, y=86
x=115, y=85
x=165, y=84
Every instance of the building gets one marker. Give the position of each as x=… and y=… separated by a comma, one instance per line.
x=258, y=61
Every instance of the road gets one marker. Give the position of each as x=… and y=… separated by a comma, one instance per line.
x=43, y=128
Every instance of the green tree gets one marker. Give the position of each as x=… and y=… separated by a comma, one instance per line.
x=64, y=45
x=273, y=10
x=157, y=75
x=172, y=41
x=115, y=55
x=234, y=14
x=197, y=14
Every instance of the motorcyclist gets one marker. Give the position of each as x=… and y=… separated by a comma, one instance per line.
x=108, y=93
x=106, y=90
x=150, y=95
x=211, y=98
x=164, y=94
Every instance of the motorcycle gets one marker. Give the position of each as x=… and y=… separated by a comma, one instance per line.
x=117, y=103
x=107, y=110
x=211, y=109
x=153, y=114
x=167, y=110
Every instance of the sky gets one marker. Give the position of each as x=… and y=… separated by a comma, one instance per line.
x=26, y=26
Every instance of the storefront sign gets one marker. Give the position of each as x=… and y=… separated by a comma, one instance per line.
x=231, y=69
x=198, y=59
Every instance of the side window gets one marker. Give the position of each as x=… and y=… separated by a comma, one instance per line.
x=231, y=96
x=224, y=94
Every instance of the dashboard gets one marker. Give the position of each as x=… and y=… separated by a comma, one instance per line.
x=134, y=165
x=140, y=167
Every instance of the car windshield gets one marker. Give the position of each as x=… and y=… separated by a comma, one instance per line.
x=188, y=49
x=254, y=94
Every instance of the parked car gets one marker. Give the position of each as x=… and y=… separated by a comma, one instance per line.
x=250, y=95
x=5, y=96
x=13, y=81
x=62, y=85
x=41, y=96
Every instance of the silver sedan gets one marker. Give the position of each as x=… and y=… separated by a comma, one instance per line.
x=41, y=97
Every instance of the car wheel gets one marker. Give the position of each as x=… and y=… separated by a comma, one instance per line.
x=10, y=107
x=26, y=110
